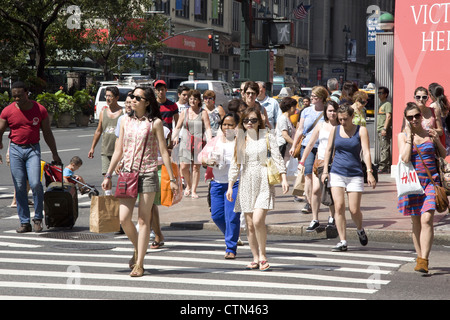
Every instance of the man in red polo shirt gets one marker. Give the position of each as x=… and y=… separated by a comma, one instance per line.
x=168, y=108
x=25, y=118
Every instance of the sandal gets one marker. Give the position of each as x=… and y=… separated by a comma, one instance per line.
x=132, y=261
x=187, y=193
x=252, y=266
x=264, y=265
x=138, y=271
x=194, y=196
x=230, y=255
x=156, y=244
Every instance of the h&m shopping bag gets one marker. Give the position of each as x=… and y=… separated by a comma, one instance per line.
x=104, y=215
x=407, y=180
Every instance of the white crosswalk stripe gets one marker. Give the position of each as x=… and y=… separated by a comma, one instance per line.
x=33, y=266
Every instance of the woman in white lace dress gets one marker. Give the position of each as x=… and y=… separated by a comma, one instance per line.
x=255, y=196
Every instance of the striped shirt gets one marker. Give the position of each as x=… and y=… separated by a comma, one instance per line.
x=168, y=109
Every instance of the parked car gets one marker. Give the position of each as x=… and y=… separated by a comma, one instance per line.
x=222, y=89
x=100, y=100
x=172, y=95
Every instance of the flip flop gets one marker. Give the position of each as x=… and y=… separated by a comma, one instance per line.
x=194, y=196
x=252, y=266
x=156, y=245
x=264, y=265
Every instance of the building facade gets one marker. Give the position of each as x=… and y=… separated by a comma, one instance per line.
x=330, y=41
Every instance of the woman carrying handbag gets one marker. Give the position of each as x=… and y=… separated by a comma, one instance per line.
x=141, y=135
x=419, y=146
x=255, y=195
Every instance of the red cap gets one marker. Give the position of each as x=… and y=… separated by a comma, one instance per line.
x=158, y=82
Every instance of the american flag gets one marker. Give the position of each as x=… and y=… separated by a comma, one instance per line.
x=301, y=11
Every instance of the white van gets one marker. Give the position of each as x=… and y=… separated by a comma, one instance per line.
x=222, y=89
x=100, y=100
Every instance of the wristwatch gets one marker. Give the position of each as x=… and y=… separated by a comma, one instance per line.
x=174, y=180
x=108, y=176
x=370, y=170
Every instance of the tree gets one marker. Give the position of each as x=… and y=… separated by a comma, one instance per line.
x=31, y=21
x=116, y=30
x=108, y=32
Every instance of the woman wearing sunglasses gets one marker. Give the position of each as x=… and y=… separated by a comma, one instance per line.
x=255, y=196
x=360, y=99
x=420, y=208
x=431, y=117
x=141, y=135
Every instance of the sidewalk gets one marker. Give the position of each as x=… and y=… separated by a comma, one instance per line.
x=381, y=219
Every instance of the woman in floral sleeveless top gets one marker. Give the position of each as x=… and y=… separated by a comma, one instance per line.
x=143, y=128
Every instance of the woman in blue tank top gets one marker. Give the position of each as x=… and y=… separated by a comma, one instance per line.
x=346, y=174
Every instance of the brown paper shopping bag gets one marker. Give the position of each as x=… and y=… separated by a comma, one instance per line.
x=104, y=214
x=299, y=185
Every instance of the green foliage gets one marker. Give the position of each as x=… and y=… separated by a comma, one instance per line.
x=5, y=100
x=58, y=102
x=83, y=102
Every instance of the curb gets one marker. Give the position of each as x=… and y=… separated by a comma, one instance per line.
x=376, y=235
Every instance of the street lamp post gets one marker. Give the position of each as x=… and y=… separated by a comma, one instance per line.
x=346, y=61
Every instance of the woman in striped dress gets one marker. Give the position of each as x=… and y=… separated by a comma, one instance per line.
x=420, y=207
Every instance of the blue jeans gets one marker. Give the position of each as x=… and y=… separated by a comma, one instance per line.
x=26, y=166
x=223, y=215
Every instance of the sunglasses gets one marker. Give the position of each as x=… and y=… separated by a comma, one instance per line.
x=252, y=120
x=138, y=98
x=416, y=116
x=425, y=98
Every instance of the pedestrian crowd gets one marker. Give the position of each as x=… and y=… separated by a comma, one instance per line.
x=248, y=146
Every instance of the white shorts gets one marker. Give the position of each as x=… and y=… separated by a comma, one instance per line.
x=351, y=184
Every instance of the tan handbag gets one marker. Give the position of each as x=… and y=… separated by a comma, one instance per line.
x=273, y=174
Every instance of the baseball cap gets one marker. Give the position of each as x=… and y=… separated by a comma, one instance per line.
x=158, y=82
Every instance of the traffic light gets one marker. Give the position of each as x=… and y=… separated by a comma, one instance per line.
x=171, y=29
x=216, y=43
x=210, y=40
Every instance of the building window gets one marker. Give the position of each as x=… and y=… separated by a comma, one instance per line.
x=201, y=10
x=184, y=12
x=219, y=20
x=236, y=16
x=162, y=5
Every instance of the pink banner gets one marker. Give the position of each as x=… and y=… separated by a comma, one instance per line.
x=421, y=53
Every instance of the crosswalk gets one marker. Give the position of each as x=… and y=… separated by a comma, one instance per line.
x=34, y=266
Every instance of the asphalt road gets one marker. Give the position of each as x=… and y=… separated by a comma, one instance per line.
x=76, y=264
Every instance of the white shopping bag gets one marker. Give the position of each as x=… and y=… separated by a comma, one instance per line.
x=291, y=167
x=407, y=180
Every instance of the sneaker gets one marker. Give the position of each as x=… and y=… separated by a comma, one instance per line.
x=340, y=247
x=24, y=227
x=362, y=237
x=331, y=224
x=38, y=225
x=313, y=226
x=307, y=208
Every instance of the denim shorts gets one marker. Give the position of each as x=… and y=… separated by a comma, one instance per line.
x=309, y=160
